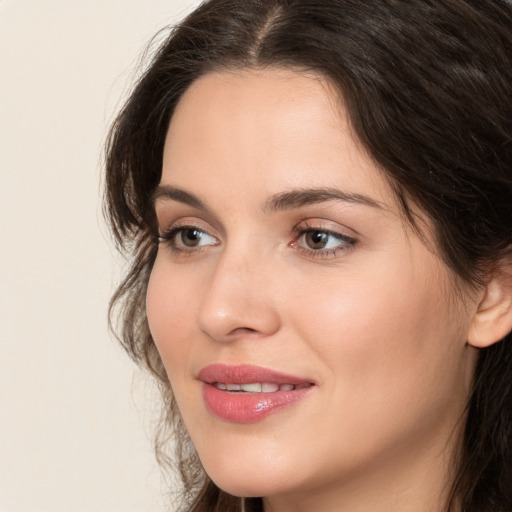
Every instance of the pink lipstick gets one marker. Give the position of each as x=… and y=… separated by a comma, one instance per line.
x=246, y=393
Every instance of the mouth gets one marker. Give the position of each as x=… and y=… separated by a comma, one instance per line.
x=246, y=393
x=257, y=387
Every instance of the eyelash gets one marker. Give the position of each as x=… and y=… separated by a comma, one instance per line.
x=346, y=243
x=168, y=239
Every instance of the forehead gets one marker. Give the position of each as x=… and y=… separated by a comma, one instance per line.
x=271, y=129
x=285, y=89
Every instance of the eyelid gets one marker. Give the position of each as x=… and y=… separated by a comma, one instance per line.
x=166, y=223
x=176, y=229
x=169, y=213
x=320, y=224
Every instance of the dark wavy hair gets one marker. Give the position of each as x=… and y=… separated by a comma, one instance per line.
x=428, y=88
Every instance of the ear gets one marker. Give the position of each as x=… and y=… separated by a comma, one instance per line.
x=493, y=318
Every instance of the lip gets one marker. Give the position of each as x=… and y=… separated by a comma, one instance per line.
x=246, y=407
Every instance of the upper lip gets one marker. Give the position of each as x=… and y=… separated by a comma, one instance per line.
x=247, y=374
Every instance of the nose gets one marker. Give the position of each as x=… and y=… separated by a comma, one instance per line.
x=239, y=301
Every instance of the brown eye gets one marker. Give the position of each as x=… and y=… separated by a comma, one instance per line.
x=187, y=239
x=316, y=239
x=190, y=237
x=324, y=242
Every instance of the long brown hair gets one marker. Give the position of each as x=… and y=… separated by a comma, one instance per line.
x=428, y=88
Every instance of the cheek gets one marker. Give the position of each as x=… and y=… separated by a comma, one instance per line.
x=390, y=341
x=169, y=312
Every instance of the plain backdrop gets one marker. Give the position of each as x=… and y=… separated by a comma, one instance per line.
x=75, y=417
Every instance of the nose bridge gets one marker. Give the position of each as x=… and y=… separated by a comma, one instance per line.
x=238, y=299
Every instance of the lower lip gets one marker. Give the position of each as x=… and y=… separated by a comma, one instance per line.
x=243, y=407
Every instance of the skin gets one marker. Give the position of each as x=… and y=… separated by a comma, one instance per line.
x=378, y=325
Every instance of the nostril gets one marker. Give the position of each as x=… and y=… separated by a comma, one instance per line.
x=238, y=333
x=245, y=331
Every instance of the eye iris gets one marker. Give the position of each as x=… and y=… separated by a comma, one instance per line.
x=190, y=237
x=316, y=239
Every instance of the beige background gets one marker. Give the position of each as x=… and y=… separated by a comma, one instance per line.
x=74, y=422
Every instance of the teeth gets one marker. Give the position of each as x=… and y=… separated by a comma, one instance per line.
x=251, y=388
x=256, y=387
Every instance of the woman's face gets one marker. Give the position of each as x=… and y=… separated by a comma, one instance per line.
x=285, y=267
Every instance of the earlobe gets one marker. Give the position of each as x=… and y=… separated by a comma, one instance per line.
x=493, y=319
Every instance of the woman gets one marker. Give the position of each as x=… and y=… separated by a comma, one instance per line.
x=318, y=200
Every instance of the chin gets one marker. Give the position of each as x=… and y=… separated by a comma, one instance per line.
x=249, y=486
x=251, y=478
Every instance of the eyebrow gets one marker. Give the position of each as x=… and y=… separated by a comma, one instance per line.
x=304, y=197
x=176, y=194
x=278, y=202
